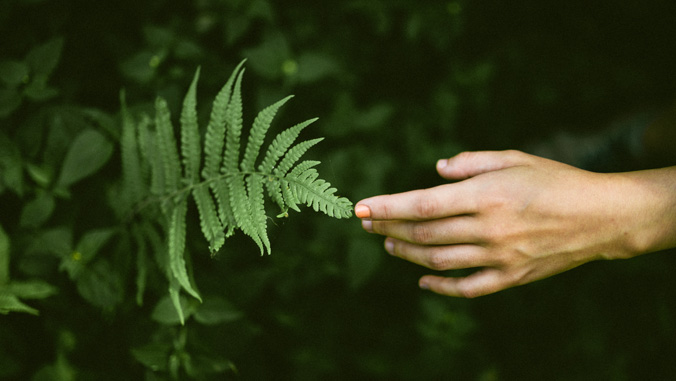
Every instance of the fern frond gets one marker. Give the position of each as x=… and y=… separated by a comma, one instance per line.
x=233, y=117
x=151, y=161
x=241, y=209
x=274, y=191
x=289, y=197
x=209, y=220
x=229, y=190
x=190, y=136
x=225, y=213
x=167, y=147
x=257, y=134
x=304, y=166
x=176, y=247
x=132, y=176
x=281, y=144
x=254, y=187
x=319, y=194
x=293, y=155
x=215, y=134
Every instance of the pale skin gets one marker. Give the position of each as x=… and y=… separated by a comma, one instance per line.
x=519, y=218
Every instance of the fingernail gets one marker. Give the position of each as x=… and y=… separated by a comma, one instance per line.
x=424, y=286
x=389, y=246
x=362, y=211
x=441, y=164
x=367, y=225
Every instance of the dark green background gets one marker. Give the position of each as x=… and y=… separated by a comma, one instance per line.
x=396, y=85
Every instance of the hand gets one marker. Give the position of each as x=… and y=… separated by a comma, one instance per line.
x=521, y=218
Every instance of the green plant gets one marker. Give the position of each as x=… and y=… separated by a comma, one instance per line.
x=228, y=190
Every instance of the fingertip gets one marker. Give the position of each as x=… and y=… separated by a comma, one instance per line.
x=362, y=211
x=441, y=164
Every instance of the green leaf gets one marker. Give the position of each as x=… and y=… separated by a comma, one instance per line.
x=44, y=58
x=313, y=67
x=233, y=116
x=280, y=144
x=257, y=134
x=141, y=264
x=11, y=165
x=268, y=58
x=166, y=313
x=209, y=221
x=132, y=177
x=241, y=209
x=55, y=241
x=101, y=285
x=217, y=310
x=4, y=256
x=215, y=135
x=293, y=155
x=10, y=100
x=37, y=212
x=13, y=73
x=190, y=136
x=225, y=214
x=34, y=289
x=153, y=356
x=319, y=194
x=166, y=142
x=10, y=303
x=257, y=208
x=91, y=242
x=88, y=153
x=176, y=247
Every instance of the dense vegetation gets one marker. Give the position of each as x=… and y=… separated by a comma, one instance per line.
x=396, y=85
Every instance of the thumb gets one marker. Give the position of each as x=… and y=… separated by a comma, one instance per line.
x=469, y=164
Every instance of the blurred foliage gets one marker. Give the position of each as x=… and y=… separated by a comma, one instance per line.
x=397, y=84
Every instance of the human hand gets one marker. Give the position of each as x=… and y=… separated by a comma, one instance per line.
x=519, y=218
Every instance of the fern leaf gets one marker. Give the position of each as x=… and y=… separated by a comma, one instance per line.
x=281, y=144
x=233, y=130
x=257, y=134
x=151, y=161
x=304, y=166
x=175, y=297
x=166, y=142
x=319, y=194
x=289, y=197
x=241, y=209
x=274, y=190
x=141, y=264
x=254, y=186
x=225, y=214
x=132, y=177
x=209, y=220
x=215, y=134
x=190, y=136
x=293, y=155
x=176, y=246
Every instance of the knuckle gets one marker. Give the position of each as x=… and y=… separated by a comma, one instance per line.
x=467, y=291
x=421, y=234
x=426, y=206
x=438, y=261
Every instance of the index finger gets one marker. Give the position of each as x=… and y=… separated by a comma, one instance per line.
x=422, y=204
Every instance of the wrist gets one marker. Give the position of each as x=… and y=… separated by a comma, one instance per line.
x=650, y=210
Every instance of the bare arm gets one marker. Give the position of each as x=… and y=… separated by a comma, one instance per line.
x=521, y=218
